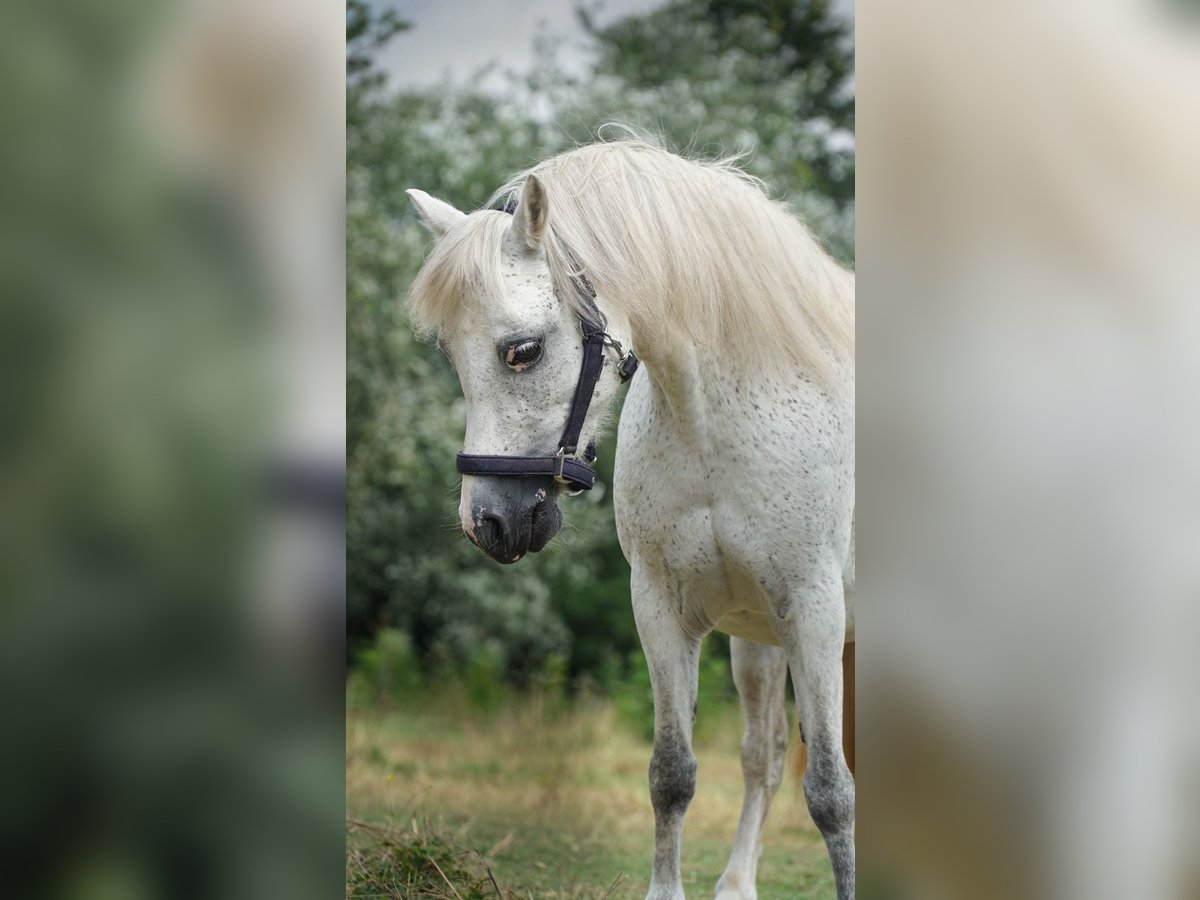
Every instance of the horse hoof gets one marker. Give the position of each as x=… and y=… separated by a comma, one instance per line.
x=726, y=891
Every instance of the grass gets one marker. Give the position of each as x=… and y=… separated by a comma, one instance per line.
x=544, y=800
x=394, y=862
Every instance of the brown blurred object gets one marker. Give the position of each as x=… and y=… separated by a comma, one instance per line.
x=848, y=703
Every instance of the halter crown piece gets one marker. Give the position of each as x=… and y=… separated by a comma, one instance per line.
x=565, y=466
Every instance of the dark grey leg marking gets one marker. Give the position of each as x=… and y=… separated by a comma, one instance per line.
x=672, y=776
x=829, y=792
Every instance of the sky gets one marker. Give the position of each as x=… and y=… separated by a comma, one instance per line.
x=455, y=38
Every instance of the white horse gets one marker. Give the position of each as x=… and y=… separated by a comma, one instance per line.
x=734, y=488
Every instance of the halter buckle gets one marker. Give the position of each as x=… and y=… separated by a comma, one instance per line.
x=562, y=457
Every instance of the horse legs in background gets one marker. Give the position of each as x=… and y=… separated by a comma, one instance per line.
x=815, y=653
x=760, y=673
x=673, y=658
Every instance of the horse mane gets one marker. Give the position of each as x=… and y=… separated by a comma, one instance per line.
x=686, y=249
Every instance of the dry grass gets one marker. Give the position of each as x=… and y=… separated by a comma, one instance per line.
x=545, y=802
x=413, y=862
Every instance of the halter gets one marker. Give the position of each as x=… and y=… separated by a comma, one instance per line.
x=565, y=466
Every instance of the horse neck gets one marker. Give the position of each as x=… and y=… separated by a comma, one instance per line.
x=708, y=403
x=684, y=389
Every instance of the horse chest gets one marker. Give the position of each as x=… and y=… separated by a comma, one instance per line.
x=726, y=506
x=701, y=566
x=688, y=520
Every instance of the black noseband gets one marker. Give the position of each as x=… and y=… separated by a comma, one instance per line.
x=565, y=467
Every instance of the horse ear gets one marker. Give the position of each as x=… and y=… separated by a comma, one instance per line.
x=436, y=215
x=530, y=216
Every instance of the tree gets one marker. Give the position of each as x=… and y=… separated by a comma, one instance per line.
x=816, y=44
x=768, y=79
x=366, y=32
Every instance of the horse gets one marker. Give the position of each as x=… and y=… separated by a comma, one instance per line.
x=734, y=475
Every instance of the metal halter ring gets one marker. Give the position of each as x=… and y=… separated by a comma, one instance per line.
x=560, y=460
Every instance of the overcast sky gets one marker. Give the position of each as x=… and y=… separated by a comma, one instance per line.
x=455, y=38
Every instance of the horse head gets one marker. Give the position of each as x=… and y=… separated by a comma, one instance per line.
x=528, y=360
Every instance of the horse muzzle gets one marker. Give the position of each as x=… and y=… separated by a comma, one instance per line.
x=509, y=517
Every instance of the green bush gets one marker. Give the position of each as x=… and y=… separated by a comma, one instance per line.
x=485, y=679
x=634, y=698
x=387, y=670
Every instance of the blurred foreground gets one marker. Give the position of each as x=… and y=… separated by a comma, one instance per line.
x=172, y=464
x=1029, y=375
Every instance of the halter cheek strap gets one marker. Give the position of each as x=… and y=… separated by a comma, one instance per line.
x=565, y=467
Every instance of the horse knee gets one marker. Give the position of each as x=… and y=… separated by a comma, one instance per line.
x=672, y=777
x=829, y=792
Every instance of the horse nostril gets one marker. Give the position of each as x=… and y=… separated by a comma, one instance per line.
x=490, y=533
x=545, y=521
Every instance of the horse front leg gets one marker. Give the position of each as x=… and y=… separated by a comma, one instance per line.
x=673, y=658
x=813, y=631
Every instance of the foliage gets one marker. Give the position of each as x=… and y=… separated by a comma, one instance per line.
x=707, y=76
x=715, y=693
x=386, y=669
x=818, y=47
x=366, y=31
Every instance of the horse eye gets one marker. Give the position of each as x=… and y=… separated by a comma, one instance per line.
x=523, y=355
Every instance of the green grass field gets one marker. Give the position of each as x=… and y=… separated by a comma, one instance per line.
x=540, y=801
